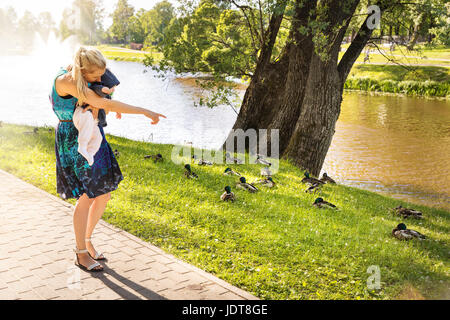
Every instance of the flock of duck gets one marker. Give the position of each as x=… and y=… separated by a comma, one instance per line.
x=400, y=232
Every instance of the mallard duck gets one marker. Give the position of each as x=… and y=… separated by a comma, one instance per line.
x=268, y=182
x=35, y=131
x=407, y=213
x=230, y=159
x=261, y=160
x=155, y=157
x=230, y=172
x=116, y=153
x=189, y=173
x=265, y=172
x=202, y=162
x=228, y=195
x=246, y=186
x=325, y=178
x=320, y=203
x=313, y=188
x=308, y=179
x=402, y=233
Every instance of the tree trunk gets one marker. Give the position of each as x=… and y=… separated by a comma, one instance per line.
x=274, y=96
x=315, y=126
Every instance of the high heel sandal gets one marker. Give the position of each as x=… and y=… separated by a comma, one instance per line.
x=91, y=267
x=98, y=256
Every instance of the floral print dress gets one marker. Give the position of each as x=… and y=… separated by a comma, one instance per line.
x=74, y=176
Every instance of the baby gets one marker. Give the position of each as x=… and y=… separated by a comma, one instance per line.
x=89, y=136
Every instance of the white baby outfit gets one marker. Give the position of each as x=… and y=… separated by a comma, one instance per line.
x=89, y=136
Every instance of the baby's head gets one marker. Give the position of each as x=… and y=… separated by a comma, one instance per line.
x=89, y=65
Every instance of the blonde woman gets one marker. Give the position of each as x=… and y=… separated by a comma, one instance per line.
x=90, y=185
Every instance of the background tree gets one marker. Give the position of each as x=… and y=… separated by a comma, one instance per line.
x=121, y=20
x=156, y=22
x=26, y=27
x=46, y=24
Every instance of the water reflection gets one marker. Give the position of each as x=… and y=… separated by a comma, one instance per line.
x=397, y=145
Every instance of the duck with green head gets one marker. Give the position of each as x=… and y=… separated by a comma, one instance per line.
x=228, y=195
x=308, y=179
x=401, y=232
x=244, y=185
x=230, y=172
x=267, y=182
x=320, y=203
x=408, y=213
x=188, y=173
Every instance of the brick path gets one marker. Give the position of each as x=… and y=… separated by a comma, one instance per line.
x=37, y=260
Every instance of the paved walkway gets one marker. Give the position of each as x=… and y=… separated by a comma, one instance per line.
x=36, y=257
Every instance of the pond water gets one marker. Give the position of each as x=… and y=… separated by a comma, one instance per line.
x=393, y=145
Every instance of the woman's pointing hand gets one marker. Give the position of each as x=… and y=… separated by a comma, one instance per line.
x=154, y=116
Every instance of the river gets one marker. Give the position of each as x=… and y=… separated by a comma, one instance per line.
x=394, y=145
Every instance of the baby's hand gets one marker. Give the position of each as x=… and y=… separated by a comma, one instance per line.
x=108, y=90
x=118, y=115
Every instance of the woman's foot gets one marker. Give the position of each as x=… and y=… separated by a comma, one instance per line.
x=94, y=254
x=86, y=261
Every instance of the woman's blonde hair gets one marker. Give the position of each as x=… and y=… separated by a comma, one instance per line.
x=86, y=59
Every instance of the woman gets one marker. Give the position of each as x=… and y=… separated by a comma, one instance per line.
x=90, y=185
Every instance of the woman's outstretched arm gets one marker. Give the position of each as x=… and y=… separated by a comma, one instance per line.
x=67, y=86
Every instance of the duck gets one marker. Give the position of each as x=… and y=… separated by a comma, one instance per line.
x=267, y=182
x=35, y=131
x=313, y=188
x=243, y=184
x=155, y=157
x=402, y=233
x=406, y=213
x=265, y=172
x=308, y=179
x=228, y=195
x=202, y=162
x=325, y=178
x=230, y=172
x=261, y=160
x=320, y=203
x=234, y=160
x=116, y=153
x=189, y=173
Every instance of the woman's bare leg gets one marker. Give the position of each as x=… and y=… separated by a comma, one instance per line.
x=80, y=218
x=95, y=213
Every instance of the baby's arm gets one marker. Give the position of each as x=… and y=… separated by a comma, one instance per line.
x=110, y=92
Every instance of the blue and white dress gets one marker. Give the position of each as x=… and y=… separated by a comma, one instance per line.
x=74, y=176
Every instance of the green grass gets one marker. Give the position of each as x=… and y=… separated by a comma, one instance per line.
x=124, y=54
x=273, y=243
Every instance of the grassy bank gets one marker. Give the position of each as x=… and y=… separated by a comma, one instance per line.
x=274, y=243
x=124, y=54
x=414, y=81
